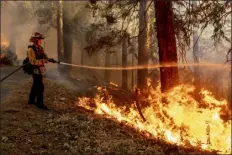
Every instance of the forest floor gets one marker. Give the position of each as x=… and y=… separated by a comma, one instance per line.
x=67, y=129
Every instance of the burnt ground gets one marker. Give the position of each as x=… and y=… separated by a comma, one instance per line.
x=66, y=129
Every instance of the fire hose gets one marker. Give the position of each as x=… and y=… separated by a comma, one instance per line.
x=13, y=72
x=50, y=60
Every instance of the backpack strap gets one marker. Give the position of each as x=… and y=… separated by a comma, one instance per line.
x=34, y=49
x=36, y=55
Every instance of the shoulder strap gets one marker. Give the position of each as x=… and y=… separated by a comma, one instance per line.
x=34, y=49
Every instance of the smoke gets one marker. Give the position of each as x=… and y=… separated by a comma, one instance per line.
x=214, y=79
x=18, y=23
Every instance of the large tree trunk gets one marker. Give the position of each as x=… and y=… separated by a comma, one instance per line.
x=143, y=45
x=107, y=64
x=124, y=60
x=132, y=71
x=230, y=78
x=60, y=43
x=82, y=61
x=68, y=38
x=229, y=86
x=107, y=60
x=166, y=44
x=196, y=57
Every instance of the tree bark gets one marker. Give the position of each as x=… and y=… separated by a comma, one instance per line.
x=230, y=78
x=82, y=61
x=166, y=44
x=124, y=60
x=107, y=64
x=60, y=43
x=143, y=45
x=196, y=57
x=229, y=87
x=132, y=71
x=107, y=60
x=68, y=38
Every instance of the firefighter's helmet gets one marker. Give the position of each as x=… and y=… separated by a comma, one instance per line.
x=36, y=36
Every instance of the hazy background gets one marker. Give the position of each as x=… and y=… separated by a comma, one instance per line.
x=18, y=22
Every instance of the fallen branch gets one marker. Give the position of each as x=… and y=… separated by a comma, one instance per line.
x=137, y=103
x=124, y=96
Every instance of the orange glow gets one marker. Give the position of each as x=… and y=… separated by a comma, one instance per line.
x=4, y=42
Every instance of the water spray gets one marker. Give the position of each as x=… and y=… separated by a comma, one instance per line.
x=148, y=66
x=130, y=67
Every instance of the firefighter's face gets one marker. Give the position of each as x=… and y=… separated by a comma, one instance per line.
x=39, y=42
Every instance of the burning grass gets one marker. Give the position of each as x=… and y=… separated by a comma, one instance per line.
x=181, y=120
x=68, y=130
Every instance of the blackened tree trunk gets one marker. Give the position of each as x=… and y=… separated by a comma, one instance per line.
x=230, y=78
x=124, y=60
x=60, y=43
x=197, y=82
x=166, y=44
x=196, y=57
x=68, y=38
x=107, y=59
x=132, y=71
x=107, y=64
x=82, y=61
x=143, y=45
x=229, y=86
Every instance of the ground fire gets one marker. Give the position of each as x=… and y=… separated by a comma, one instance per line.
x=7, y=57
x=181, y=120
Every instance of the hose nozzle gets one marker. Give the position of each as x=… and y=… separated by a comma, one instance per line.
x=53, y=61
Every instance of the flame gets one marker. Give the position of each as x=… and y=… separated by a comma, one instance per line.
x=4, y=41
x=181, y=120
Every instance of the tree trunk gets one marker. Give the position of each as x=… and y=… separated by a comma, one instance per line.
x=107, y=64
x=229, y=87
x=196, y=57
x=82, y=61
x=60, y=44
x=143, y=45
x=124, y=60
x=166, y=44
x=68, y=38
x=230, y=78
x=132, y=71
x=107, y=60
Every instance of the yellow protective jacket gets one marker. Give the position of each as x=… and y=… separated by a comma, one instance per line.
x=37, y=58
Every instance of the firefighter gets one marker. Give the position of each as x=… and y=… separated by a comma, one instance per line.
x=37, y=57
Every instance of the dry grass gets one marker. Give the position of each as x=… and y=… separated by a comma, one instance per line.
x=68, y=130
